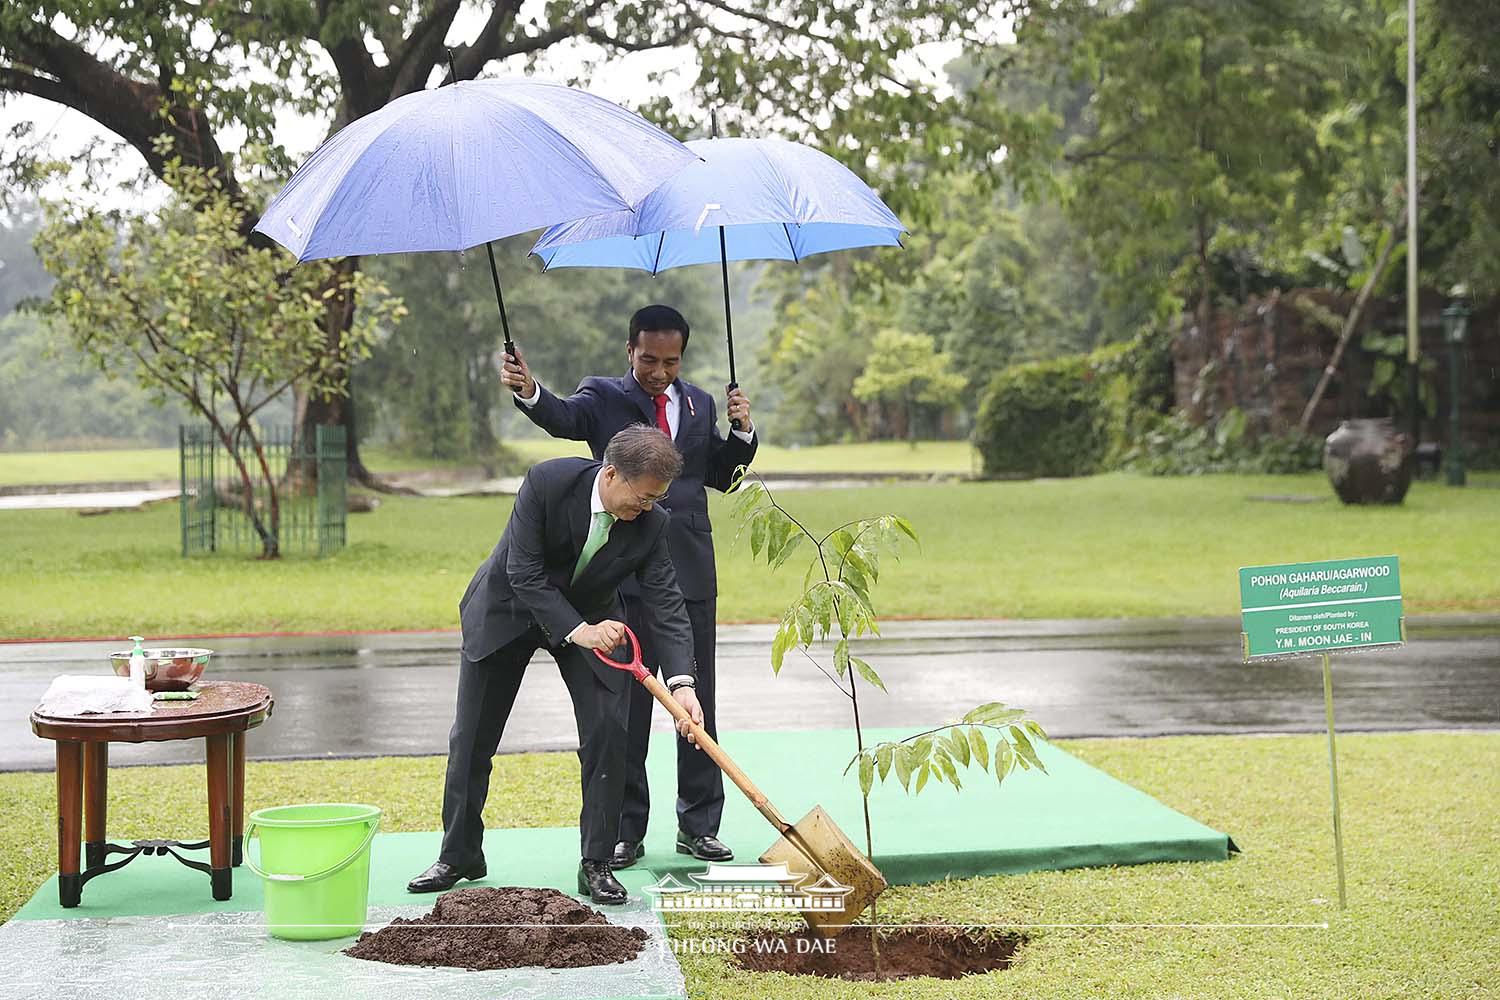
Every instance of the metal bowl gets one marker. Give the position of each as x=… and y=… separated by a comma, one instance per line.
x=166, y=669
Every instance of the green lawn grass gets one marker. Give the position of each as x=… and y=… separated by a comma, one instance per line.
x=1106, y=546
x=1422, y=854
x=157, y=464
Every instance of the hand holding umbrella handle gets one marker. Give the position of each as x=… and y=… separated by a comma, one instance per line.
x=736, y=423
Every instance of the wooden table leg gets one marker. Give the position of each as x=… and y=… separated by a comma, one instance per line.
x=219, y=818
x=95, y=802
x=69, y=820
x=238, y=792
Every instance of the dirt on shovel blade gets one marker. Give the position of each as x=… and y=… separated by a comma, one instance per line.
x=503, y=928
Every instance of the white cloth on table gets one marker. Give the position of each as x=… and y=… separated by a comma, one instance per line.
x=71, y=694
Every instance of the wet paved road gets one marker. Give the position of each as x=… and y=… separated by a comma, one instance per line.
x=360, y=695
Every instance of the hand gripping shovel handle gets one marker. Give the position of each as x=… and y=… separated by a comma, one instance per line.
x=710, y=746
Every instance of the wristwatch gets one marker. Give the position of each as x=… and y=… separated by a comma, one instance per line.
x=682, y=684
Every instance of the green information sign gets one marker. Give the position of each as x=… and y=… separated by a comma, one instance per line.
x=1303, y=609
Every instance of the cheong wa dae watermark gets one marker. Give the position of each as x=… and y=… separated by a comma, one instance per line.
x=748, y=887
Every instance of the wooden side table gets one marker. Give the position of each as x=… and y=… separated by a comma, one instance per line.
x=222, y=714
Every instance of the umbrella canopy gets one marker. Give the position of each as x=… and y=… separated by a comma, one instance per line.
x=747, y=199
x=478, y=160
x=776, y=200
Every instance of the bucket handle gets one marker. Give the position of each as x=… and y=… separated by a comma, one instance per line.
x=319, y=876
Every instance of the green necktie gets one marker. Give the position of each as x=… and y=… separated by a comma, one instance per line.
x=598, y=535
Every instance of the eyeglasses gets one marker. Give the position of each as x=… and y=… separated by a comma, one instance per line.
x=644, y=503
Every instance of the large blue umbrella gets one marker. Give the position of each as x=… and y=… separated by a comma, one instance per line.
x=465, y=164
x=746, y=199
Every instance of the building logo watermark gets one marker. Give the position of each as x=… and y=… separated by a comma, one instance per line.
x=748, y=887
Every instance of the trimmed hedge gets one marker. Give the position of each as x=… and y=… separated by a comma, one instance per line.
x=1074, y=415
x=1043, y=418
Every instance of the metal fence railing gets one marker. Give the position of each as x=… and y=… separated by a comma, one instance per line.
x=311, y=509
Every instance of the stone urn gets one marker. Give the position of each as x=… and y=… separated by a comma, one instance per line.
x=1368, y=461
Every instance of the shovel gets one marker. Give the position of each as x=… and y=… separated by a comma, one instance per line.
x=836, y=882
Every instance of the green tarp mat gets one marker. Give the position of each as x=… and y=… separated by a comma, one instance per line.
x=1073, y=816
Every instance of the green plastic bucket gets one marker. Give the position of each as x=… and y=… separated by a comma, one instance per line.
x=315, y=860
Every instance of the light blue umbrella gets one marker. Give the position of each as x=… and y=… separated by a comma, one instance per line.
x=746, y=199
x=465, y=164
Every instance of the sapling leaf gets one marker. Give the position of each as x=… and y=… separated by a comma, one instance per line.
x=922, y=773
x=979, y=747
x=958, y=746
x=855, y=578
x=942, y=767
x=884, y=756
x=981, y=713
x=1005, y=759
x=779, y=647
x=774, y=536
x=949, y=771
x=788, y=547
x=904, y=765
x=840, y=541
x=823, y=610
x=855, y=557
x=841, y=657
x=867, y=672
x=866, y=773
x=1024, y=750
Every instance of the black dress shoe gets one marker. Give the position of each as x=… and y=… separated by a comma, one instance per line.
x=704, y=848
x=596, y=880
x=627, y=853
x=443, y=876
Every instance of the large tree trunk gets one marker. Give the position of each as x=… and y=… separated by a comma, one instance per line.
x=339, y=410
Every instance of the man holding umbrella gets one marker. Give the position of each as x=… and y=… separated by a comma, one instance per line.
x=652, y=393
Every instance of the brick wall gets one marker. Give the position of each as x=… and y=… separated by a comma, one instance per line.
x=1266, y=356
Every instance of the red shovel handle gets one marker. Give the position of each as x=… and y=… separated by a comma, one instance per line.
x=634, y=666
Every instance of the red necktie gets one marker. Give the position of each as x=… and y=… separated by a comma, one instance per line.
x=661, y=415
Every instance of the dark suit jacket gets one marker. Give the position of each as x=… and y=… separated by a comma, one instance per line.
x=602, y=407
x=527, y=580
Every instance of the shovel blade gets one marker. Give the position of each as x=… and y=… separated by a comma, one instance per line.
x=841, y=881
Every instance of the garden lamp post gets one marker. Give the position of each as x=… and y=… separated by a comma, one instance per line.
x=1455, y=326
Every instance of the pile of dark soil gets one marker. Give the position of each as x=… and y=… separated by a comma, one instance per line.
x=503, y=928
x=940, y=952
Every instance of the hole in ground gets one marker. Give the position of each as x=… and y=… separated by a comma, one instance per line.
x=940, y=952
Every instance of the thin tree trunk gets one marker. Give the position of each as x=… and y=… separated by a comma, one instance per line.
x=1350, y=323
x=265, y=471
x=338, y=410
x=268, y=542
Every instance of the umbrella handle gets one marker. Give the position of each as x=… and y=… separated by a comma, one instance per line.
x=735, y=424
